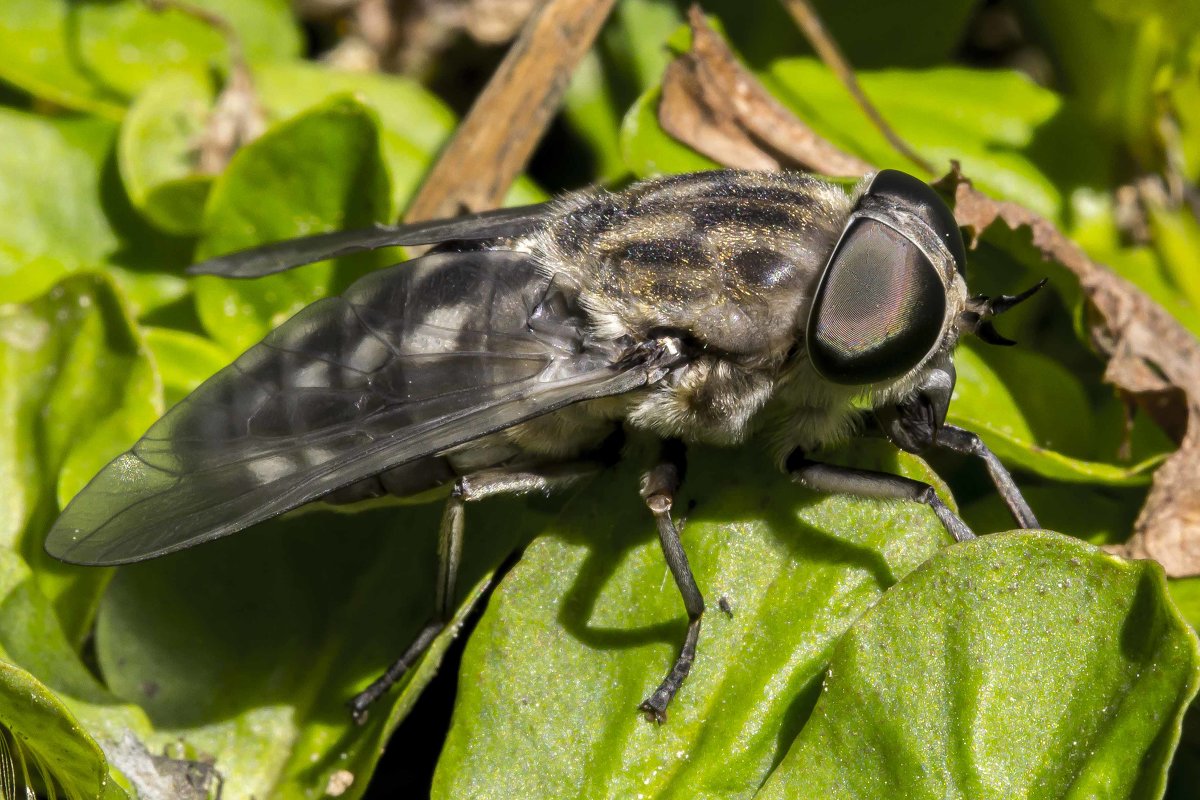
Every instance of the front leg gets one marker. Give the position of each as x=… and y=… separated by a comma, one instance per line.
x=968, y=443
x=658, y=490
x=869, y=483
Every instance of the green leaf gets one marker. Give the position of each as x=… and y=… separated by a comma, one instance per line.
x=249, y=647
x=61, y=212
x=1017, y=665
x=322, y=170
x=48, y=699
x=629, y=58
x=917, y=33
x=413, y=123
x=1185, y=592
x=96, y=56
x=1176, y=240
x=184, y=360
x=1009, y=134
x=1112, y=59
x=76, y=388
x=159, y=134
x=158, y=150
x=49, y=741
x=591, y=109
x=1097, y=514
x=635, y=41
x=587, y=623
x=649, y=150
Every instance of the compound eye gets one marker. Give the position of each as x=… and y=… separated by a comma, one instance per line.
x=879, y=307
x=919, y=198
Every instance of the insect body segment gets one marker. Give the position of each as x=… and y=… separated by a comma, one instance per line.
x=695, y=308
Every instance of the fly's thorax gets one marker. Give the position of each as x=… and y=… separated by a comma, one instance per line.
x=728, y=258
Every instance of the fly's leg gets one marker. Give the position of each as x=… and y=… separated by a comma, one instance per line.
x=658, y=490
x=869, y=483
x=967, y=443
x=467, y=489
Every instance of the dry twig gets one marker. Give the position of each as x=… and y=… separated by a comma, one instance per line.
x=498, y=135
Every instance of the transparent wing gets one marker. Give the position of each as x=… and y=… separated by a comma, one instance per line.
x=280, y=256
x=410, y=361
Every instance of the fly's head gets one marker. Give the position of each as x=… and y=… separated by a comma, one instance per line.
x=891, y=292
x=891, y=304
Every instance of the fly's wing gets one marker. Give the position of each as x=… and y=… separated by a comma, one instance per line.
x=280, y=256
x=410, y=361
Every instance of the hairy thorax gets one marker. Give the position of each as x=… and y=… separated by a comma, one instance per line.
x=726, y=262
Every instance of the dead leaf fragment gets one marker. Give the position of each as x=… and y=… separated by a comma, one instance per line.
x=714, y=104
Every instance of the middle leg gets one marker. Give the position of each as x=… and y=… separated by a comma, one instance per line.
x=834, y=479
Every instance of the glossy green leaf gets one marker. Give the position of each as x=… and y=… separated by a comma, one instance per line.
x=589, y=107
x=322, y=170
x=61, y=212
x=48, y=741
x=587, y=623
x=159, y=135
x=1115, y=59
x=76, y=388
x=1176, y=241
x=635, y=41
x=873, y=35
x=248, y=648
x=1018, y=665
x=45, y=743
x=1008, y=133
x=629, y=58
x=1099, y=514
x=414, y=123
x=1185, y=592
x=95, y=56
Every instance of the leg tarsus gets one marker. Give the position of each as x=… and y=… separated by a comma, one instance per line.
x=963, y=441
x=362, y=701
x=655, y=706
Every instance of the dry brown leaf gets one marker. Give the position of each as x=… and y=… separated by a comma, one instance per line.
x=1151, y=357
x=713, y=103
